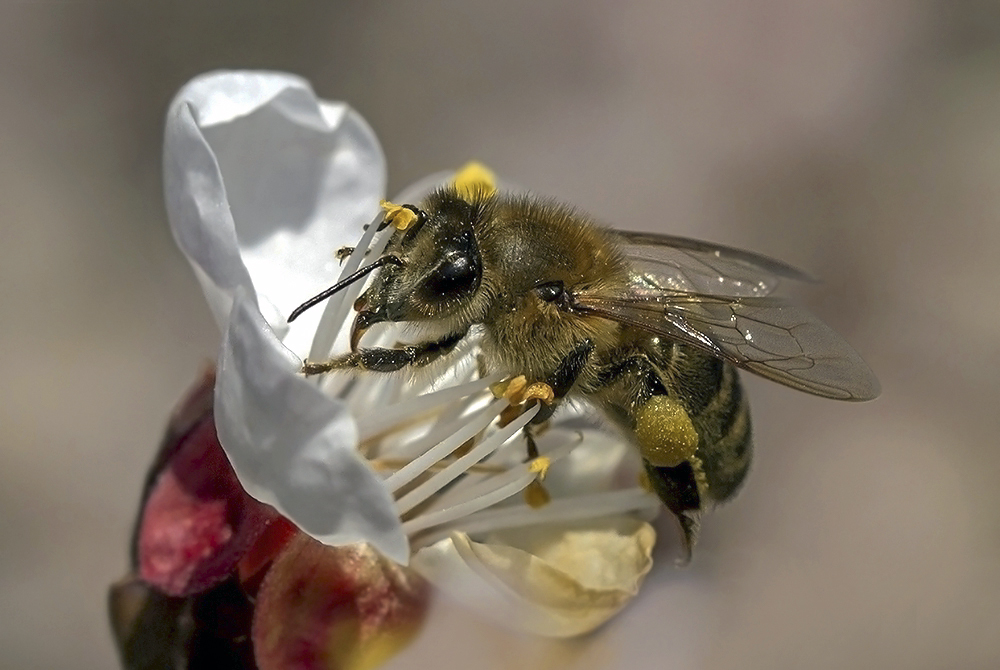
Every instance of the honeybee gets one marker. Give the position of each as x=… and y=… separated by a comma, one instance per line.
x=648, y=328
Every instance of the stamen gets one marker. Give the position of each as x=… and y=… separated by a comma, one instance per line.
x=455, y=411
x=483, y=494
x=412, y=449
x=365, y=392
x=540, y=466
x=442, y=428
x=536, y=496
x=377, y=421
x=399, y=217
x=335, y=312
x=560, y=510
x=456, y=469
x=475, y=180
x=424, y=521
x=439, y=451
x=394, y=464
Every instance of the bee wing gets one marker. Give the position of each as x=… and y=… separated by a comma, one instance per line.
x=692, y=266
x=766, y=336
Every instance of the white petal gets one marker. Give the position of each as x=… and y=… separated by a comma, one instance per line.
x=264, y=182
x=295, y=448
x=557, y=582
x=199, y=212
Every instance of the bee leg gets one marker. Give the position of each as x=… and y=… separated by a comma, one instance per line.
x=677, y=487
x=668, y=443
x=564, y=377
x=378, y=359
x=559, y=384
x=529, y=438
x=560, y=381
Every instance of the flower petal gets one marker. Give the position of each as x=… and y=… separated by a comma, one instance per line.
x=556, y=582
x=295, y=448
x=264, y=182
x=335, y=607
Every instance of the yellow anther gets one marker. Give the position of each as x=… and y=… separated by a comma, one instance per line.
x=509, y=388
x=539, y=391
x=535, y=495
x=540, y=466
x=518, y=391
x=474, y=181
x=343, y=253
x=515, y=389
x=397, y=216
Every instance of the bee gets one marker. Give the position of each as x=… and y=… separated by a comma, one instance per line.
x=649, y=328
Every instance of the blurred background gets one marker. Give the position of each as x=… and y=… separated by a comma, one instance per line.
x=858, y=139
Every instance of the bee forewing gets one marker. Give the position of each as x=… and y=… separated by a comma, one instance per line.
x=692, y=266
x=766, y=336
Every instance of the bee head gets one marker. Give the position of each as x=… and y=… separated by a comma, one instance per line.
x=440, y=267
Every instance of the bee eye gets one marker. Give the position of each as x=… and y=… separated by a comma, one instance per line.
x=457, y=273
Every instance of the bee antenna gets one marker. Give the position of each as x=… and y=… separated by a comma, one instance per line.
x=343, y=283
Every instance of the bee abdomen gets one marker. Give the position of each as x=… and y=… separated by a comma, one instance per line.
x=725, y=441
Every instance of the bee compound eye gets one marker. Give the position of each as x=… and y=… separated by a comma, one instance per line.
x=456, y=274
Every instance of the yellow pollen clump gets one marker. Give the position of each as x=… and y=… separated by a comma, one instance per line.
x=665, y=433
x=475, y=180
x=539, y=391
x=397, y=216
x=510, y=387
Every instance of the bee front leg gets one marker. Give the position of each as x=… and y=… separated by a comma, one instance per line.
x=377, y=359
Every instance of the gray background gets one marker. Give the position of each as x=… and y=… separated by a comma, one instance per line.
x=858, y=139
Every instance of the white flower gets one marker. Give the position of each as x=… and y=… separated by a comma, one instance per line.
x=264, y=183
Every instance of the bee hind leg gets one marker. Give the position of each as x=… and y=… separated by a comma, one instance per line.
x=668, y=443
x=677, y=487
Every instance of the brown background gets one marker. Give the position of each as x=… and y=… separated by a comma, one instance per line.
x=858, y=139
